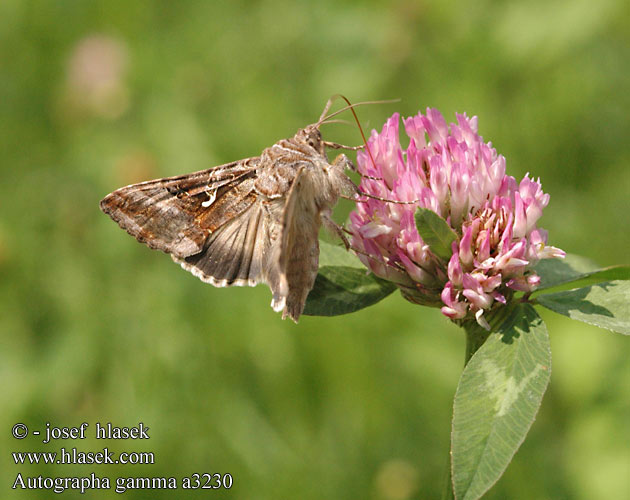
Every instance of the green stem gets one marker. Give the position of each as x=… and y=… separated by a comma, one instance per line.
x=476, y=335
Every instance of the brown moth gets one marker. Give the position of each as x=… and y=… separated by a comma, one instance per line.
x=251, y=221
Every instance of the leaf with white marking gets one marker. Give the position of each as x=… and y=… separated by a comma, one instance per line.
x=497, y=399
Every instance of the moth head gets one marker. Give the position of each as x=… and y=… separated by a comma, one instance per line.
x=312, y=137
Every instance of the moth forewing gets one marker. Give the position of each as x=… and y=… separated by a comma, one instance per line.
x=299, y=255
x=167, y=214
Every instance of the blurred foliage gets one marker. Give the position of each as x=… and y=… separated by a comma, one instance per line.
x=95, y=327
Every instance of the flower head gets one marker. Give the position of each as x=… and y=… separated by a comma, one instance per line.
x=450, y=170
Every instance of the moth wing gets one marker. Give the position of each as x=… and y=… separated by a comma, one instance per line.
x=233, y=254
x=273, y=242
x=176, y=214
x=299, y=249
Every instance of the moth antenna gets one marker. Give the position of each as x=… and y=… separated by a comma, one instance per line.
x=329, y=103
x=351, y=107
x=367, y=147
x=323, y=118
x=327, y=107
x=356, y=119
x=345, y=122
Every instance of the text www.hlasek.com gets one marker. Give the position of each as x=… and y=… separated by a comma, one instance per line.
x=73, y=456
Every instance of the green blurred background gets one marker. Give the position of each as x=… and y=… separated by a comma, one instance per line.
x=95, y=327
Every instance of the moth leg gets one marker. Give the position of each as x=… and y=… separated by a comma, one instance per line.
x=360, y=193
x=335, y=228
x=396, y=265
x=340, y=230
x=334, y=145
x=348, y=163
x=345, y=162
x=343, y=185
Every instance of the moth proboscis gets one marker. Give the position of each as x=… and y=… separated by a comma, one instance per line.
x=252, y=221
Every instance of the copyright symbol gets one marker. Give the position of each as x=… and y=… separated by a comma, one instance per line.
x=19, y=431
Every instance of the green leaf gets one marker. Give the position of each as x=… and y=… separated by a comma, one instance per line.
x=497, y=399
x=606, y=305
x=574, y=271
x=343, y=284
x=435, y=232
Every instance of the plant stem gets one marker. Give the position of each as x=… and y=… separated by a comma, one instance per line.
x=476, y=335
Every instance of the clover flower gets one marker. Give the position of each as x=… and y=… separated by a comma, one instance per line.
x=451, y=171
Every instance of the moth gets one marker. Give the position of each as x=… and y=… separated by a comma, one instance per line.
x=251, y=221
